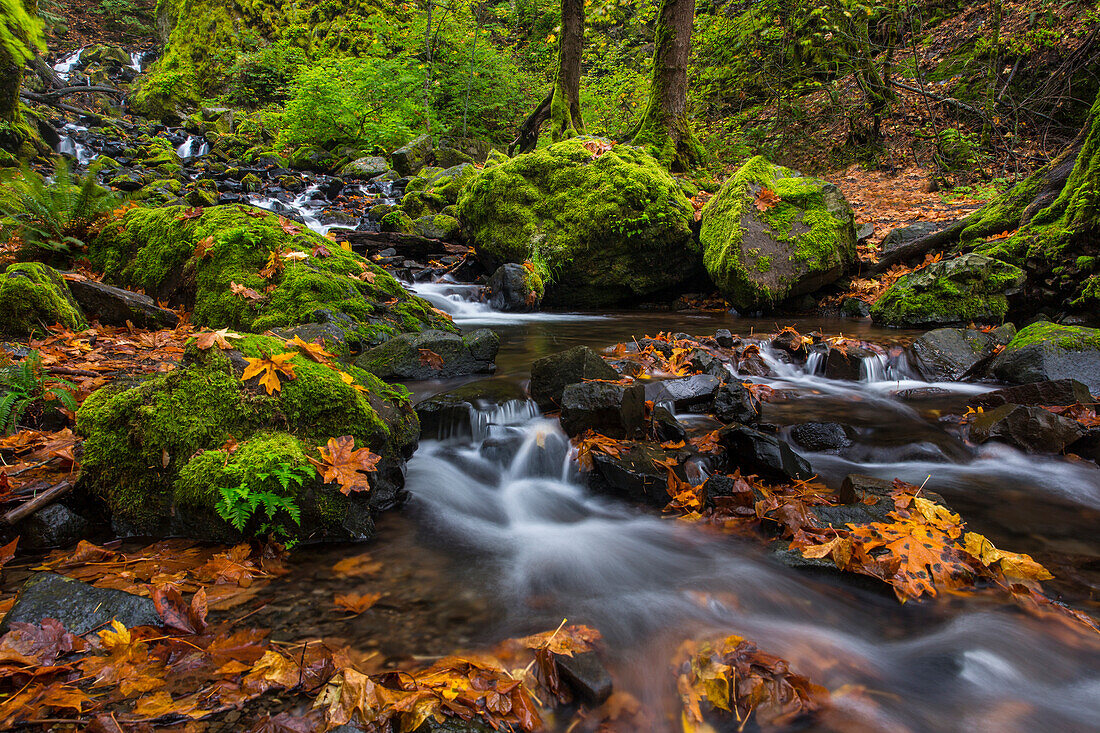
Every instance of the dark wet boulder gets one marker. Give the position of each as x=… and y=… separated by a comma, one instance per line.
x=1055, y=393
x=902, y=236
x=686, y=394
x=515, y=288
x=1088, y=445
x=665, y=425
x=948, y=354
x=449, y=413
x=734, y=403
x=790, y=342
x=971, y=288
x=820, y=436
x=803, y=239
x=586, y=675
x=53, y=526
x=550, y=375
x=846, y=362
x=855, y=308
x=33, y=297
x=600, y=230
x=634, y=474
x=79, y=607
x=414, y=155
x=763, y=454
x=117, y=307
x=614, y=410
x=432, y=355
x=1047, y=351
x=724, y=338
x=1031, y=429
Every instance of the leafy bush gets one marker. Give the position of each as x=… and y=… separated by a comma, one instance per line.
x=51, y=218
x=262, y=495
x=25, y=383
x=362, y=102
x=264, y=76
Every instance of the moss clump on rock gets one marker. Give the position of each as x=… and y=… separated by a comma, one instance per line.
x=147, y=452
x=199, y=262
x=786, y=246
x=965, y=289
x=1047, y=350
x=600, y=229
x=34, y=297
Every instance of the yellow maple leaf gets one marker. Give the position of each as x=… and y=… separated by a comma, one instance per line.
x=267, y=369
x=1012, y=564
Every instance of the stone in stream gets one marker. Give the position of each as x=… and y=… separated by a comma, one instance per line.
x=448, y=413
x=666, y=427
x=365, y=168
x=821, y=436
x=734, y=403
x=116, y=307
x=790, y=342
x=762, y=454
x=1055, y=393
x=79, y=607
x=1048, y=351
x=949, y=354
x=550, y=375
x=1088, y=445
x=846, y=362
x=687, y=394
x=413, y=356
x=514, y=288
x=53, y=526
x=635, y=474
x=586, y=675
x=614, y=410
x=1032, y=429
x=902, y=236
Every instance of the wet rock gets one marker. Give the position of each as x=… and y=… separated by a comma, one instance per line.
x=515, y=289
x=412, y=356
x=846, y=362
x=946, y=354
x=365, y=168
x=840, y=516
x=586, y=676
x=724, y=338
x=1047, y=351
x=688, y=394
x=409, y=159
x=79, y=607
x=501, y=449
x=855, y=308
x=1058, y=392
x=734, y=403
x=791, y=343
x=1031, y=429
x=551, y=374
x=666, y=427
x=821, y=436
x=52, y=526
x=704, y=362
x=634, y=473
x=902, y=236
x=116, y=306
x=1088, y=445
x=762, y=454
x=448, y=725
x=722, y=490
x=614, y=410
x=449, y=413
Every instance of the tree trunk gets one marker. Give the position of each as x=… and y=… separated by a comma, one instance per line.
x=665, y=127
x=562, y=106
x=11, y=78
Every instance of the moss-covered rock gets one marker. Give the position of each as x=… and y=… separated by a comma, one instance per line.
x=158, y=250
x=154, y=453
x=437, y=226
x=1048, y=351
x=962, y=290
x=396, y=221
x=33, y=297
x=760, y=249
x=433, y=355
x=599, y=229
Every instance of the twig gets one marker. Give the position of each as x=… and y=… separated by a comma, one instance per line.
x=47, y=497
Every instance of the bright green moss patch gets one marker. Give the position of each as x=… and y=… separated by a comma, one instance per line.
x=1066, y=338
x=34, y=297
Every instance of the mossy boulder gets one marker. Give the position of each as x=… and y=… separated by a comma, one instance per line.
x=433, y=355
x=962, y=290
x=248, y=270
x=396, y=221
x=156, y=453
x=34, y=297
x=599, y=229
x=1047, y=351
x=437, y=226
x=771, y=234
x=410, y=158
x=365, y=168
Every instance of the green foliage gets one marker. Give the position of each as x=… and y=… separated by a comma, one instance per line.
x=53, y=217
x=264, y=76
x=959, y=150
x=20, y=31
x=125, y=13
x=264, y=499
x=24, y=383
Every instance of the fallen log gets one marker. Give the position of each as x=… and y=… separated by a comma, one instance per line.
x=44, y=499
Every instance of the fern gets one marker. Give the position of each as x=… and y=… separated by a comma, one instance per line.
x=25, y=383
x=257, y=496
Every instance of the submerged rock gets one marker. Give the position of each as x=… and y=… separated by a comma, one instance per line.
x=614, y=410
x=1055, y=393
x=969, y=288
x=550, y=375
x=448, y=413
x=432, y=355
x=514, y=288
x=1032, y=429
x=600, y=229
x=821, y=436
x=79, y=607
x=759, y=252
x=1048, y=351
x=762, y=454
x=33, y=297
x=634, y=474
x=586, y=675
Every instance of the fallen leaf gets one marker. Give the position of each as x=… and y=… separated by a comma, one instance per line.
x=268, y=369
x=343, y=465
x=208, y=339
x=355, y=603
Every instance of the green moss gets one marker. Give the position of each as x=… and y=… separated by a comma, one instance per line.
x=33, y=297
x=1066, y=338
x=598, y=230
x=397, y=221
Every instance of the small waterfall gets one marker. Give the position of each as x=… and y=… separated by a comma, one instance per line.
x=136, y=59
x=193, y=147
x=872, y=368
x=815, y=363
x=463, y=303
x=65, y=66
x=69, y=147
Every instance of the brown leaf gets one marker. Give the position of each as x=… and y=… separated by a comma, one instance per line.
x=430, y=359
x=247, y=293
x=567, y=640
x=289, y=226
x=355, y=603
x=345, y=466
x=202, y=248
x=267, y=369
x=766, y=199
x=193, y=213
x=207, y=339
x=356, y=566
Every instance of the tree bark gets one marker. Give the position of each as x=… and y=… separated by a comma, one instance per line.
x=11, y=78
x=562, y=106
x=665, y=126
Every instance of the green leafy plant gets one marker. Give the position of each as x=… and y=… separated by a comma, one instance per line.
x=26, y=382
x=261, y=499
x=51, y=218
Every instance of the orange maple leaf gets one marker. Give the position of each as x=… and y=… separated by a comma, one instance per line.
x=766, y=199
x=244, y=292
x=268, y=368
x=312, y=351
x=354, y=603
x=345, y=466
x=207, y=339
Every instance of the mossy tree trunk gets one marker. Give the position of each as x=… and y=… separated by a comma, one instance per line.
x=665, y=126
x=21, y=34
x=11, y=77
x=562, y=106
